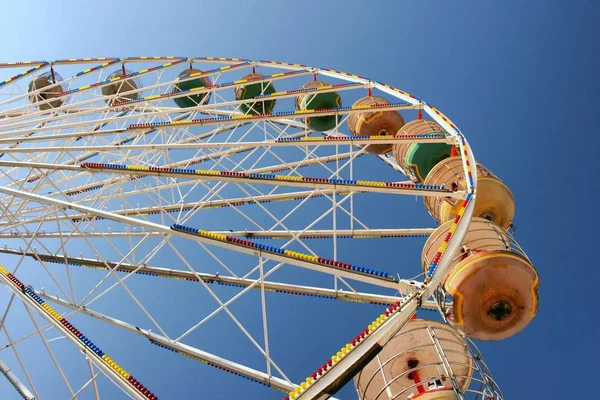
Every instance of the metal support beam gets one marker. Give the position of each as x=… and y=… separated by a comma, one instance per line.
x=372, y=279
x=17, y=384
x=112, y=374
x=187, y=146
x=179, y=347
x=279, y=234
x=347, y=187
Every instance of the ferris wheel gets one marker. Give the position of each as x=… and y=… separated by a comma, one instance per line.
x=129, y=183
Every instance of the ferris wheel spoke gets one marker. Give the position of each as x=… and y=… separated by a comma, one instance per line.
x=160, y=186
x=219, y=279
x=199, y=205
x=280, y=234
x=15, y=381
x=298, y=259
x=310, y=234
x=91, y=351
x=240, y=118
x=181, y=348
x=264, y=314
x=309, y=182
x=20, y=361
x=48, y=349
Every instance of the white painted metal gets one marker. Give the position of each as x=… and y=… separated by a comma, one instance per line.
x=48, y=197
x=14, y=380
x=181, y=347
x=93, y=357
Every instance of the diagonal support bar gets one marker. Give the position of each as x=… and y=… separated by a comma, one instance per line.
x=224, y=280
x=52, y=316
x=389, y=282
x=17, y=384
x=181, y=348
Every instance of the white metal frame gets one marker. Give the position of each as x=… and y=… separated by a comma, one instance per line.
x=46, y=187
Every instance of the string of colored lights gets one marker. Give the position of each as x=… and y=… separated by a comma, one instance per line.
x=66, y=61
x=181, y=348
x=324, y=262
x=270, y=116
x=385, y=138
x=209, y=88
x=218, y=156
x=13, y=64
x=22, y=74
x=433, y=265
x=281, y=142
x=319, y=89
x=348, y=184
x=47, y=310
x=348, y=348
x=121, y=77
x=97, y=67
x=145, y=270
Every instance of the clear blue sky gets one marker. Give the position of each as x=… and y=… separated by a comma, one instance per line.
x=520, y=78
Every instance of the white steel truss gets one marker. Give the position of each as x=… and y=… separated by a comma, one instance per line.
x=125, y=183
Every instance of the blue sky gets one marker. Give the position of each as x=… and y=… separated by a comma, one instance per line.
x=519, y=79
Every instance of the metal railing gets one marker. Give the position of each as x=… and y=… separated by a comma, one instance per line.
x=459, y=367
